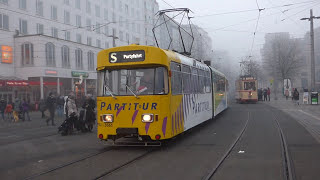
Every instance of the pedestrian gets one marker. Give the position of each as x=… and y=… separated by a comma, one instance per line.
x=286, y=93
x=9, y=111
x=296, y=96
x=50, y=104
x=25, y=109
x=65, y=109
x=265, y=93
x=268, y=93
x=16, y=109
x=42, y=107
x=3, y=106
x=60, y=105
x=72, y=109
x=89, y=116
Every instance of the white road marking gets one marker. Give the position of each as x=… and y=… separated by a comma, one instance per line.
x=241, y=152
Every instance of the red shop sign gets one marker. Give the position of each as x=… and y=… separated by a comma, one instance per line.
x=2, y=83
x=37, y=83
x=17, y=83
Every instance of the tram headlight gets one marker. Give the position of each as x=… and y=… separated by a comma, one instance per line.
x=107, y=118
x=147, y=118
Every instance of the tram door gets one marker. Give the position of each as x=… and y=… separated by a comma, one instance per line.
x=6, y=96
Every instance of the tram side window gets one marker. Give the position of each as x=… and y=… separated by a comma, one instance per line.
x=194, y=81
x=186, y=77
x=207, y=82
x=220, y=84
x=201, y=81
x=176, y=78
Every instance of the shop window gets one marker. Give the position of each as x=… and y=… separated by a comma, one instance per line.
x=79, y=64
x=65, y=56
x=90, y=61
x=50, y=54
x=27, y=54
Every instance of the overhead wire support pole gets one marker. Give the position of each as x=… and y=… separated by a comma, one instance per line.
x=313, y=79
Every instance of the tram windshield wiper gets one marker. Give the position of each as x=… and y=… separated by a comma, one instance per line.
x=132, y=92
x=109, y=91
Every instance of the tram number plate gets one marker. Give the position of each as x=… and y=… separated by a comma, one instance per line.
x=108, y=125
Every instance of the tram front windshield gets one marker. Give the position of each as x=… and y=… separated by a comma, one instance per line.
x=130, y=82
x=250, y=86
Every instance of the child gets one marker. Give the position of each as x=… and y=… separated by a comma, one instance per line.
x=8, y=111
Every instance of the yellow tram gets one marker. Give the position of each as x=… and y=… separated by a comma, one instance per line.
x=153, y=94
x=246, y=89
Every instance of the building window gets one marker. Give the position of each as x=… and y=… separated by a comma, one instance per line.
x=121, y=21
x=23, y=4
x=39, y=8
x=4, y=2
x=66, y=17
x=54, y=32
x=98, y=27
x=105, y=14
x=106, y=30
x=67, y=35
x=88, y=24
x=78, y=5
x=4, y=22
x=106, y=45
x=114, y=17
x=54, y=14
x=78, y=20
x=50, y=54
x=27, y=54
x=89, y=41
x=65, y=52
x=127, y=38
x=121, y=36
x=97, y=11
x=40, y=28
x=98, y=43
x=23, y=26
x=66, y=2
x=88, y=8
x=79, y=64
x=78, y=38
x=90, y=61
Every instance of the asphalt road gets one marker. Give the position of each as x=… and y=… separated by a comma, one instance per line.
x=34, y=150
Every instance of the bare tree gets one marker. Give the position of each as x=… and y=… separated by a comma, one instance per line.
x=282, y=57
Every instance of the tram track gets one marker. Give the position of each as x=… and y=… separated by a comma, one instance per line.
x=67, y=164
x=226, y=154
x=109, y=172
x=288, y=168
x=28, y=139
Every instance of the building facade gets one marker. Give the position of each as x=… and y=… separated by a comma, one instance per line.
x=51, y=45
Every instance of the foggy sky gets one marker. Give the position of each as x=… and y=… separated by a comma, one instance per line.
x=237, y=40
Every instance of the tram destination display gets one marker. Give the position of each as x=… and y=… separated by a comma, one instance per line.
x=127, y=56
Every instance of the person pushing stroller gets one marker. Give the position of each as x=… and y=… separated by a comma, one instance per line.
x=72, y=115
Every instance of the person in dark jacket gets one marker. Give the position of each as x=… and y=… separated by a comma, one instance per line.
x=17, y=109
x=265, y=94
x=3, y=105
x=296, y=96
x=60, y=105
x=51, y=103
x=42, y=107
x=89, y=116
x=25, y=110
